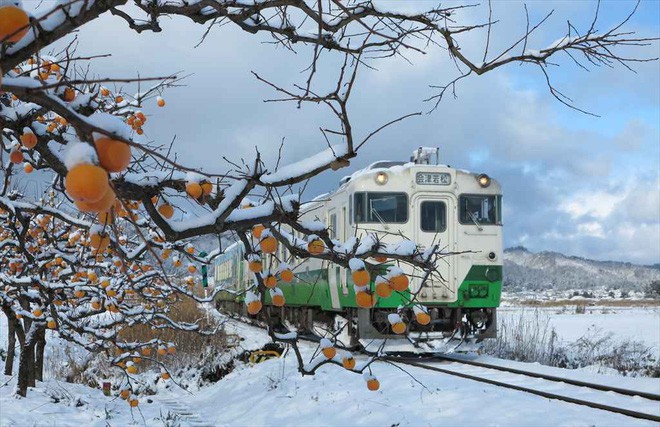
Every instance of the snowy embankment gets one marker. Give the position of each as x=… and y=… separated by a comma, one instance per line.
x=273, y=393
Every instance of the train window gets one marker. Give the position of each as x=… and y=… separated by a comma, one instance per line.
x=380, y=207
x=333, y=226
x=433, y=217
x=480, y=209
x=350, y=211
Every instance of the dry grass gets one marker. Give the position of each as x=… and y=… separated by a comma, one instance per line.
x=190, y=345
x=529, y=337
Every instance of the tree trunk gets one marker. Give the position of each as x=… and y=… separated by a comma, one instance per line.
x=30, y=354
x=26, y=361
x=39, y=355
x=11, y=347
x=25, y=365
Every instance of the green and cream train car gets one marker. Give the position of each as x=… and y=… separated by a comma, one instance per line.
x=420, y=200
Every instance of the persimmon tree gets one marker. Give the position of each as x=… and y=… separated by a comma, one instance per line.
x=94, y=255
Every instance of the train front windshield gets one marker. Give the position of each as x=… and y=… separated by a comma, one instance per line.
x=383, y=207
x=480, y=209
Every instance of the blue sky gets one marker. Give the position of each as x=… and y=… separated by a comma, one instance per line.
x=572, y=183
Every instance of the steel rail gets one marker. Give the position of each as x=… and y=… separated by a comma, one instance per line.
x=600, y=387
x=548, y=395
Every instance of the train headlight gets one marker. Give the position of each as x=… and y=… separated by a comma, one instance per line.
x=484, y=180
x=381, y=178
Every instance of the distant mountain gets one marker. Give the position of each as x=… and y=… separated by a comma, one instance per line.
x=525, y=270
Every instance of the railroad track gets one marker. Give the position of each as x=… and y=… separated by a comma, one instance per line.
x=650, y=399
x=483, y=372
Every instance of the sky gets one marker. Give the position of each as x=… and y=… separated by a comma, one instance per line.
x=581, y=185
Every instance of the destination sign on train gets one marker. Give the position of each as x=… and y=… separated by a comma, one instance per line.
x=433, y=178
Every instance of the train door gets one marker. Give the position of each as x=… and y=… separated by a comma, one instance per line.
x=334, y=271
x=344, y=229
x=434, y=224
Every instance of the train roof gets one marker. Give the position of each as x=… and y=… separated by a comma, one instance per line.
x=394, y=166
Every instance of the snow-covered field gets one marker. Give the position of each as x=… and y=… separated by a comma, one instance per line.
x=621, y=323
x=273, y=393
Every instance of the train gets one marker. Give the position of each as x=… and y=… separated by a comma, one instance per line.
x=421, y=200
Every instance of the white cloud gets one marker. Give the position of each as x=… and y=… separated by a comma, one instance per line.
x=599, y=205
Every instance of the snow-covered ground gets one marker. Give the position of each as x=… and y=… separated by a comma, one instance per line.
x=623, y=323
x=273, y=393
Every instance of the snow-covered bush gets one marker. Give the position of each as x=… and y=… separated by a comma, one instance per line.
x=530, y=337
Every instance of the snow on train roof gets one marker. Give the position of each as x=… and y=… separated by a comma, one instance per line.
x=388, y=165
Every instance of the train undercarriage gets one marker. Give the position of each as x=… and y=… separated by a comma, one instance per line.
x=451, y=329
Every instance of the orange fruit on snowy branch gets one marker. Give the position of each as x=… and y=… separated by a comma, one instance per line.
x=29, y=140
x=167, y=211
x=286, y=275
x=28, y=168
x=399, y=282
x=384, y=290
x=98, y=241
x=254, y=307
x=69, y=94
x=399, y=328
x=348, y=362
x=361, y=277
x=380, y=258
x=257, y=230
x=134, y=403
x=268, y=245
x=373, y=384
x=194, y=190
x=160, y=101
x=16, y=156
x=114, y=156
x=270, y=281
x=278, y=300
x=316, y=247
x=207, y=187
x=329, y=352
x=365, y=299
x=102, y=205
x=255, y=266
x=423, y=318
x=125, y=393
x=13, y=19
x=86, y=183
